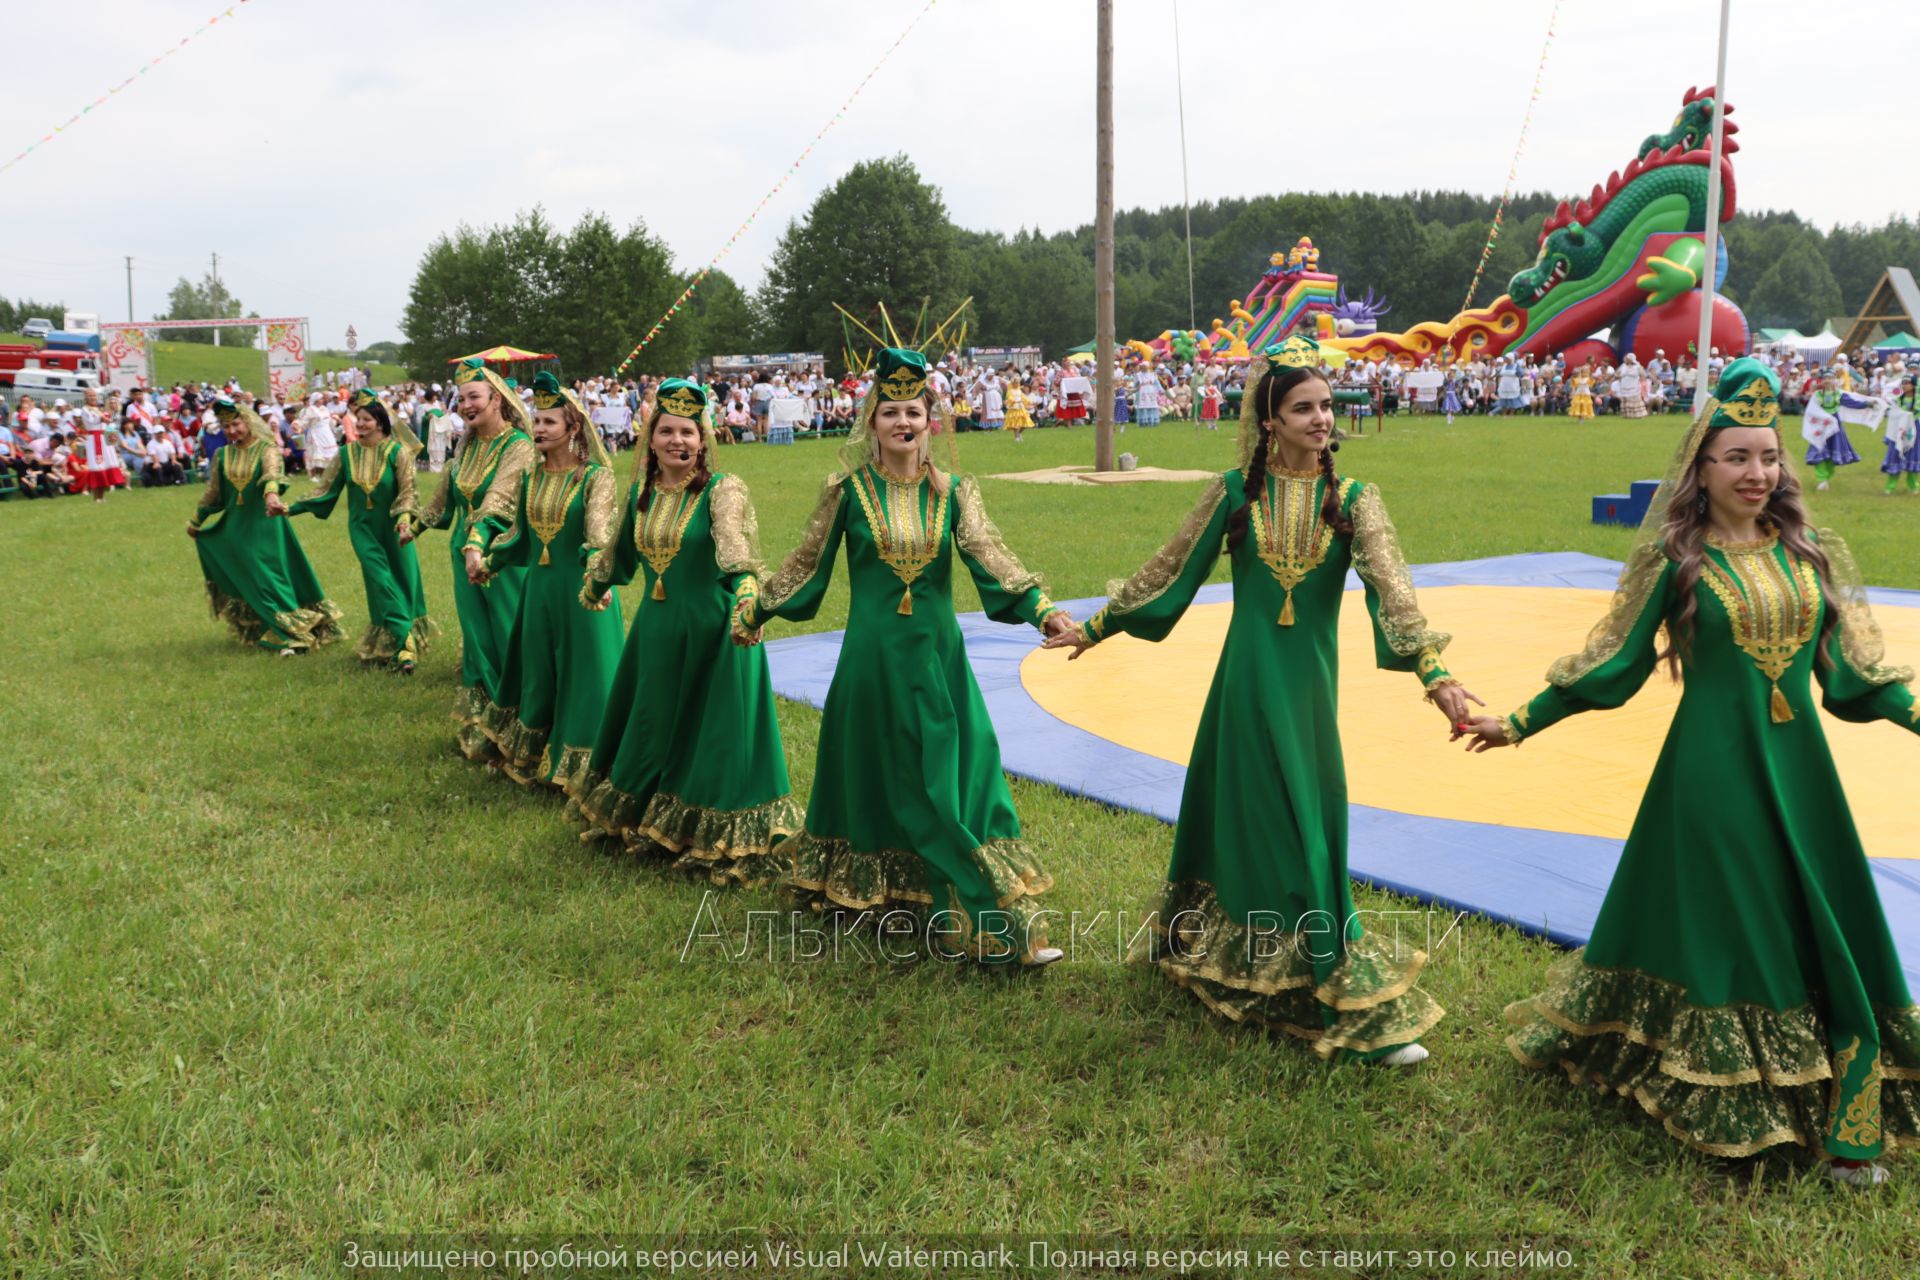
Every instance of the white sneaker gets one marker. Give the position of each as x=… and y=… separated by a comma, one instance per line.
x=286, y=653
x=1045, y=955
x=1405, y=1056
x=1859, y=1175
x=1822, y=486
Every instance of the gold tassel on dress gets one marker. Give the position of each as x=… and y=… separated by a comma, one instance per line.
x=659, y=589
x=1781, y=711
x=369, y=502
x=906, y=603
x=545, y=559
x=1286, y=610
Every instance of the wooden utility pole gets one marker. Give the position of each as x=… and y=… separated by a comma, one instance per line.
x=1103, y=244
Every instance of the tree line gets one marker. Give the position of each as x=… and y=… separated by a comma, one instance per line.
x=883, y=234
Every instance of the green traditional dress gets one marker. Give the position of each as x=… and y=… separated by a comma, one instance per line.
x=378, y=483
x=482, y=486
x=560, y=654
x=688, y=759
x=1740, y=983
x=258, y=579
x=1257, y=916
x=909, y=807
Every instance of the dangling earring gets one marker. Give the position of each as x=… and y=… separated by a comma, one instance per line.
x=1700, y=504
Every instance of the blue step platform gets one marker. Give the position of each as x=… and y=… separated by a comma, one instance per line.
x=1625, y=508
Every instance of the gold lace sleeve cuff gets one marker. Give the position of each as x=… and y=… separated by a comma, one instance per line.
x=1433, y=672
x=736, y=529
x=976, y=535
x=1157, y=576
x=1378, y=560
x=1094, y=629
x=1510, y=728
x=804, y=561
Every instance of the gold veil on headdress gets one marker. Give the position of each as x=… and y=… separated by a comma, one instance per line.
x=1746, y=396
x=899, y=373
x=474, y=369
x=549, y=394
x=397, y=425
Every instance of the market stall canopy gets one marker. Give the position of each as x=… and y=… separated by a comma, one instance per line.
x=1899, y=342
x=505, y=355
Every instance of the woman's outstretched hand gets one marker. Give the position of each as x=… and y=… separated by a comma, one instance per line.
x=1483, y=733
x=1452, y=700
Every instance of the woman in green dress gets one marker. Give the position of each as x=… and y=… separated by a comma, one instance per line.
x=482, y=485
x=688, y=761
x=1257, y=916
x=376, y=473
x=1740, y=983
x=910, y=812
x=561, y=652
x=258, y=579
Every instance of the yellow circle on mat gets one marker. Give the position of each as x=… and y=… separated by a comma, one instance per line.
x=1585, y=775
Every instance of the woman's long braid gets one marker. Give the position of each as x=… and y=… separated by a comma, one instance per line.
x=1254, y=486
x=1330, y=513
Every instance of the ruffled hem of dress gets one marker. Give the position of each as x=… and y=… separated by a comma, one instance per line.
x=380, y=647
x=470, y=706
x=724, y=846
x=528, y=755
x=1367, y=1005
x=1728, y=1080
x=827, y=874
x=311, y=626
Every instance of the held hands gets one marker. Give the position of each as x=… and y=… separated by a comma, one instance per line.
x=476, y=567
x=1482, y=732
x=744, y=636
x=193, y=530
x=404, y=532
x=276, y=505
x=593, y=597
x=1452, y=700
x=1063, y=632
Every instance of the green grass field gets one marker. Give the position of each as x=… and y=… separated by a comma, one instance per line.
x=202, y=362
x=281, y=967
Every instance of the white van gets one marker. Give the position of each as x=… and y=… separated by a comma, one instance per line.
x=80, y=322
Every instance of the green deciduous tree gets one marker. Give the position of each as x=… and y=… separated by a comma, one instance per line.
x=1796, y=290
x=209, y=299
x=879, y=234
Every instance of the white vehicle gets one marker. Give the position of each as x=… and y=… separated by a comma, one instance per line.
x=50, y=384
x=80, y=322
x=37, y=328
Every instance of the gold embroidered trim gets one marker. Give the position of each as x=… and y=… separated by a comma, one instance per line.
x=476, y=463
x=368, y=466
x=661, y=529
x=1773, y=608
x=909, y=526
x=550, y=497
x=239, y=467
x=1288, y=534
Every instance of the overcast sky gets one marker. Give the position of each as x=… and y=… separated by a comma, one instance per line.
x=319, y=145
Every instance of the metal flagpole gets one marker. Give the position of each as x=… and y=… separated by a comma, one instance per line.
x=1186, y=200
x=1701, y=383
